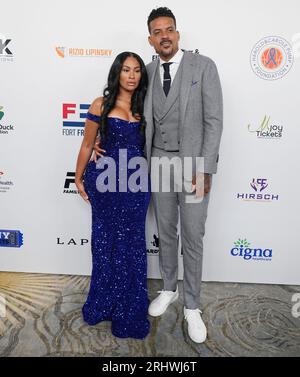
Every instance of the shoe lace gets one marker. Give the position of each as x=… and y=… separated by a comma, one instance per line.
x=192, y=313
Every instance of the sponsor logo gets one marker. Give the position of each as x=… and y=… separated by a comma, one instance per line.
x=6, y=54
x=258, y=186
x=267, y=129
x=11, y=238
x=154, y=248
x=271, y=58
x=71, y=241
x=5, y=128
x=242, y=249
x=73, y=118
x=5, y=184
x=75, y=52
x=70, y=187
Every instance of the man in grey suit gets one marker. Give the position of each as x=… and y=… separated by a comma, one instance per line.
x=183, y=110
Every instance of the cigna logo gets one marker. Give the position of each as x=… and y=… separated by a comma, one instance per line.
x=73, y=118
x=243, y=250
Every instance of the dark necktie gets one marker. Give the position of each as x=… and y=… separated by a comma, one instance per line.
x=167, y=78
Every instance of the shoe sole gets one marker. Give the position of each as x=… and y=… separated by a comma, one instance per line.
x=160, y=313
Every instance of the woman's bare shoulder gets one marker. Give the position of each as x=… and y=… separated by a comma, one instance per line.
x=96, y=106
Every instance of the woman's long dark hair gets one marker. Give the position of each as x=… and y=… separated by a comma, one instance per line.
x=111, y=92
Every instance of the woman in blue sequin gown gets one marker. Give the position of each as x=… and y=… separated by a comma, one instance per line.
x=118, y=288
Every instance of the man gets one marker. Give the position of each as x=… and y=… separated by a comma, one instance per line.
x=183, y=110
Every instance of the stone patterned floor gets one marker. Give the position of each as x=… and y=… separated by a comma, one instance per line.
x=43, y=318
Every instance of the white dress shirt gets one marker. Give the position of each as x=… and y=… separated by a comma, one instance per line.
x=173, y=67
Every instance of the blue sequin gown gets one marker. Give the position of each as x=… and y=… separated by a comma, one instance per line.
x=118, y=288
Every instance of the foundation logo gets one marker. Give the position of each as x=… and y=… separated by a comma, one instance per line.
x=5, y=184
x=267, y=129
x=271, y=58
x=6, y=54
x=74, y=52
x=4, y=128
x=258, y=194
x=74, y=116
x=11, y=238
x=242, y=249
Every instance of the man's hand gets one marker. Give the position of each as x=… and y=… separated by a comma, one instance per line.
x=202, y=184
x=80, y=187
x=97, y=150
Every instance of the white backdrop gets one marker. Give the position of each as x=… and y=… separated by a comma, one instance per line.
x=46, y=65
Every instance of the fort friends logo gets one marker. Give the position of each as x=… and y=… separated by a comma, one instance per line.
x=267, y=130
x=271, y=58
x=74, y=119
x=242, y=249
x=74, y=52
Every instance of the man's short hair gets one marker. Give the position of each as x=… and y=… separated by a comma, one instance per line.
x=160, y=12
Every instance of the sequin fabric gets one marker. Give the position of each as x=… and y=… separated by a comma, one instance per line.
x=118, y=287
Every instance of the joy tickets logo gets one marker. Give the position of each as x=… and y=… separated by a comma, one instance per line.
x=271, y=58
x=267, y=129
x=242, y=249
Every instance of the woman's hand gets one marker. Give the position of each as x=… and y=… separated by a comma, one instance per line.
x=97, y=150
x=80, y=187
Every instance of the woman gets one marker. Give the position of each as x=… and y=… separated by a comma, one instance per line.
x=118, y=288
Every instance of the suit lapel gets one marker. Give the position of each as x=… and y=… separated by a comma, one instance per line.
x=148, y=107
x=186, y=82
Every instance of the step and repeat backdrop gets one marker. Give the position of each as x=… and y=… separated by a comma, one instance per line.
x=54, y=60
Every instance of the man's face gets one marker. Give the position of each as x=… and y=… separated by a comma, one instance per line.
x=164, y=37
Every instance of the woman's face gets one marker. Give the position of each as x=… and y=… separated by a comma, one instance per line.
x=130, y=75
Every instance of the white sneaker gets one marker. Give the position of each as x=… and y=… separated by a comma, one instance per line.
x=159, y=305
x=196, y=327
